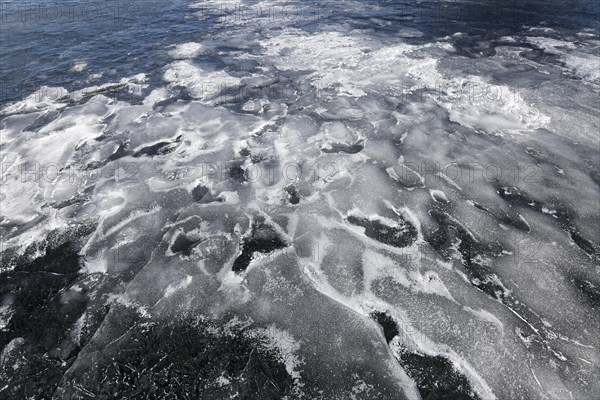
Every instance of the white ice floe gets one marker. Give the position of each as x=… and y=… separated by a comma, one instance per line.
x=187, y=50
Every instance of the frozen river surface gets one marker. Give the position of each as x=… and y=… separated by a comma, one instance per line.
x=269, y=200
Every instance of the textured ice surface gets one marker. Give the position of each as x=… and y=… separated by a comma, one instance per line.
x=322, y=205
